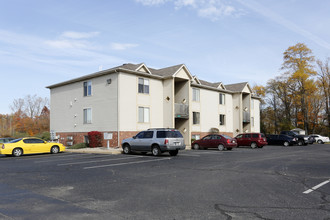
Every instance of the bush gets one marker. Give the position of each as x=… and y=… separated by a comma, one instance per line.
x=78, y=146
x=95, y=139
x=44, y=136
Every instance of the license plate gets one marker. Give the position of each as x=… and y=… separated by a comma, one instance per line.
x=176, y=143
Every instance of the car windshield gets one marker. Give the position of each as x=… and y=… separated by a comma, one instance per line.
x=16, y=140
x=169, y=134
x=226, y=136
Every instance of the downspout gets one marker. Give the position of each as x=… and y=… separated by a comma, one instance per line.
x=118, y=133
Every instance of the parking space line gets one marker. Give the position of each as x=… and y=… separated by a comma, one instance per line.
x=316, y=187
x=95, y=161
x=73, y=157
x=119, y=164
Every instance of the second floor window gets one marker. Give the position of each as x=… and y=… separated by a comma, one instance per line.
x=195, y=95
x=87, y=116
x=143, y=86
x=88, y=88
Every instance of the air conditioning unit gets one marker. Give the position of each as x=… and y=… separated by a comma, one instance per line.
x=70, y=143
x=69, y=138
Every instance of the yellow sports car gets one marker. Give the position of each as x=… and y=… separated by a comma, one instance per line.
x=30, y=145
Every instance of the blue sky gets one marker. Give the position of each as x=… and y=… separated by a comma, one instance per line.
x=43, y=42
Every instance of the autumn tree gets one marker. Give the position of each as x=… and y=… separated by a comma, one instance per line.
x=298, y=64
x=323, y=76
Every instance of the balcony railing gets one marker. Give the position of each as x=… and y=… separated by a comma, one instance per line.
x=246, y=117
x=181, y=110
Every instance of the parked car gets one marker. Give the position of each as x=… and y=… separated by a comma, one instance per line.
x=253, y=140
x=6, y=140
x=302, y=139
x=281, y=139
x=221, y=142
x=320, y=139
x=30, y=145
x=156, y=141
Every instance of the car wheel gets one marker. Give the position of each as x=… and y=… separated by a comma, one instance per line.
x=126, y=149
x=174, y=152
x=54, y=150
x=300, y=143
x=320, y=142
x=221, y=147
x=254, y=145
x=196, y=147
x=156, y=151
x=17, y=152
x=286, y=144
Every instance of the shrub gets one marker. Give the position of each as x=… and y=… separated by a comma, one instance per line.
x=78, y=146
x=95, y=139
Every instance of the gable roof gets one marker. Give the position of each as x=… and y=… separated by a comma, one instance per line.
x=237, y=87
x=166, y=72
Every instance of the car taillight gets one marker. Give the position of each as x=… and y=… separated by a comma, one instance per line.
x=166, y=141
x=228, y=141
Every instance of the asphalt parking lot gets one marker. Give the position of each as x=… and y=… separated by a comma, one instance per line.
x=270, y=183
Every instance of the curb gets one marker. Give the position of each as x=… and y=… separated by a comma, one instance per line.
x=95, y=151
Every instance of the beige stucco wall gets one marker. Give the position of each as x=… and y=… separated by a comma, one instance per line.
x=168, y=103
x=255, y=113
x=210, y=109
x=68, y=102
x=131, y=100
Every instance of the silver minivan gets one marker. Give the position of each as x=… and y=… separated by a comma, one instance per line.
x=156, y=141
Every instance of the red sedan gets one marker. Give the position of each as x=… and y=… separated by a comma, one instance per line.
x=221, y=142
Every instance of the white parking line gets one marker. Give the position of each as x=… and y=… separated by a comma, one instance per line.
x=71, y=158
x=95, y=161
x=119, y=164
x=317, y=186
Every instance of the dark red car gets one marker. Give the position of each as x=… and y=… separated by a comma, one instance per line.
x=221, y=142
x=253, y=140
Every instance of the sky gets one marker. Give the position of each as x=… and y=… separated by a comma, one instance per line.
x=44, y=42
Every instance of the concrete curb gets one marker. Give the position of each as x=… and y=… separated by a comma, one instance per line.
x=101, y=150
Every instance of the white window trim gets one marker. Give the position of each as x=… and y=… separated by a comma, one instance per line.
x=145, y=113
x=146, y=81
x=198, y=95
x=87, y=88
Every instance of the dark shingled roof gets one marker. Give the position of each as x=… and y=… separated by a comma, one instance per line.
x=168, y=71
x=206, y=83
x=237, y=87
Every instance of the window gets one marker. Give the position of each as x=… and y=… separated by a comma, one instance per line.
x=143, y=85
x=222, y=99
x=88, y=88
x=143, y=115
x=195, y=95
x=195, y=136
x=196, y=118
x=222, y=119
x=169, y=134
x=87, y=116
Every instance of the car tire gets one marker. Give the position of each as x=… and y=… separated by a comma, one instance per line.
x=286, y=143
x=174, y=152
x=229, y=148
x=17, y=152
x=320, y=142
x=221, y=147
x=126, y=149
x=156, y=151
x=54, y=150
x=196, y=147
x=300, y=143
x=254, y=145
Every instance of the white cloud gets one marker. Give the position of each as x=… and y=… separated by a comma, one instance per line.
x=210, y=9
x=151, y=2
x=79, y=35
x=121, y=46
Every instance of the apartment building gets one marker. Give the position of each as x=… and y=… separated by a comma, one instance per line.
x=132, y=97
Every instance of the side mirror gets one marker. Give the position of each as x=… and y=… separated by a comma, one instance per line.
x=134, y=137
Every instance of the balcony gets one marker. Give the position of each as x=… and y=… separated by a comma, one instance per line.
x=246, y=117
x=181, y=110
